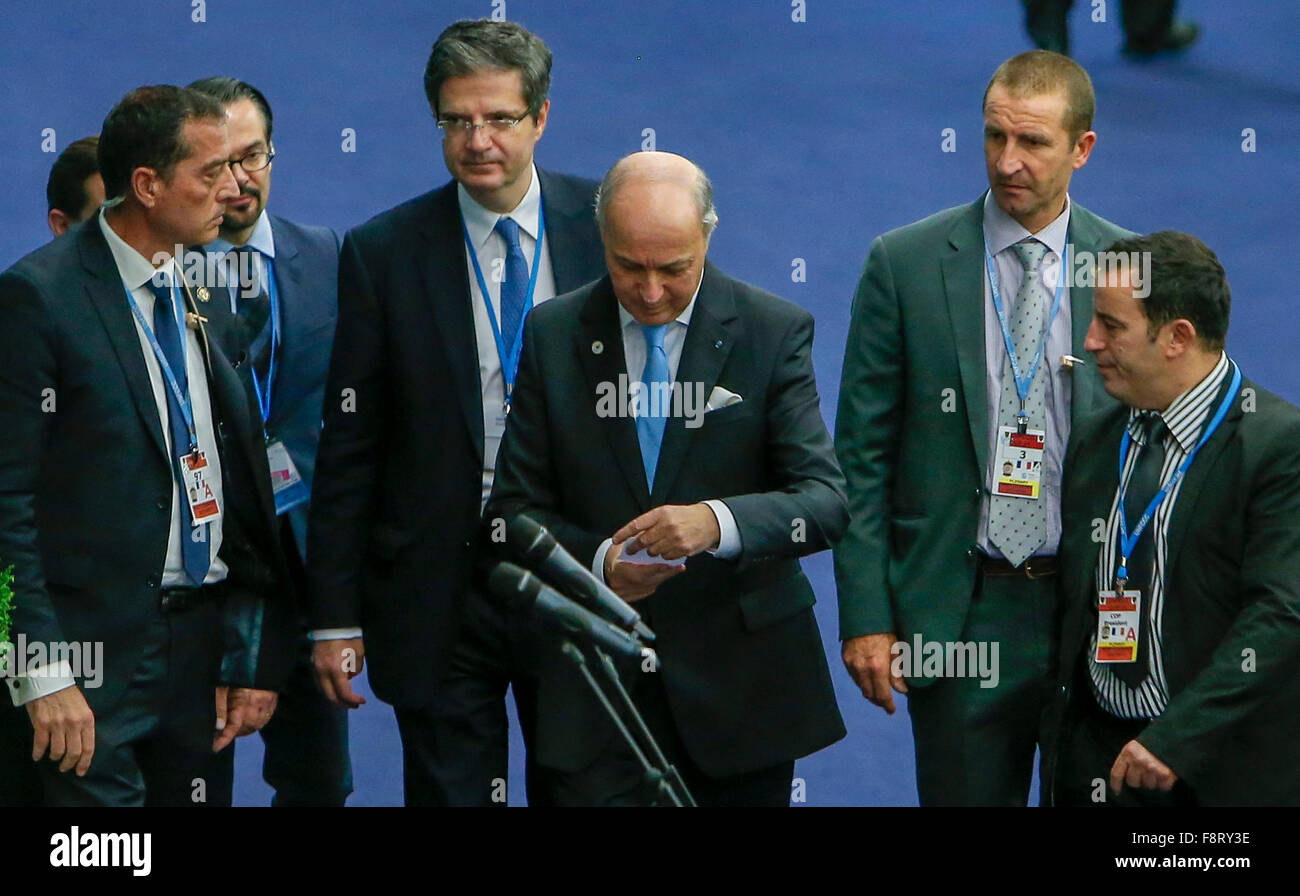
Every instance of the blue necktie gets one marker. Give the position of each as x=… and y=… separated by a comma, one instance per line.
x=514, y=287
x=656, y=399
x=195, y=555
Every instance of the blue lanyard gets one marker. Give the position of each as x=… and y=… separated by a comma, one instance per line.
x=1023, y=382
x=264, y=394
x=1127, y=543
x=182, y=399
x=509, y=360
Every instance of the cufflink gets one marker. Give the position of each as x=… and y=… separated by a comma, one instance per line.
x=597, y=347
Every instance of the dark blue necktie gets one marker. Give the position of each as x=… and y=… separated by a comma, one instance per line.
x=255, y=313
x=195, y=554
x=655, y=383
x=515, y=286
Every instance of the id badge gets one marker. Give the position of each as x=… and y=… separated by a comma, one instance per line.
x=1118, y=624
x=1019, y=463
x=287, y=485
x=198, y=488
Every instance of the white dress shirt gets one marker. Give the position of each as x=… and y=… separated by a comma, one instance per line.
x=264, y=242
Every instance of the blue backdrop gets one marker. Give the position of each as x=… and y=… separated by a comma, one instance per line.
x=818, y=135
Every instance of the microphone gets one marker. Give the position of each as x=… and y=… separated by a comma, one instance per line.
x=537, y=547
x=521, y=589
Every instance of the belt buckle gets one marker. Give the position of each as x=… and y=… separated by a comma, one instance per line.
x=1029, y=568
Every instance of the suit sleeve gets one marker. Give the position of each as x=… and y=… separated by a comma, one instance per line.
x=526, y=469
x=866, y=438
x=1260, y=653
x=347, y=463
x=28, y=381
x=807, y=511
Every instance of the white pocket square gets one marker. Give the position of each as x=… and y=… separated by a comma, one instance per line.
x=721, y=398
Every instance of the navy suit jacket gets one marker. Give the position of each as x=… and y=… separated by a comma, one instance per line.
x=394, y=520
x=86, y=484
x=306, y=280
x=743, y=665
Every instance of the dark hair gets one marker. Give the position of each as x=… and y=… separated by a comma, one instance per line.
x=145, y=130
x=66, y=188
x=229, y=90
x=1042, y=71
x=1186, y=281
x=471, y=46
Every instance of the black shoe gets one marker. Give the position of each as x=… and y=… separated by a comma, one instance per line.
x=1179, y=37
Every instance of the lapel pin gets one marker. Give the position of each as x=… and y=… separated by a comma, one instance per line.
x=718, y=344
x=1072, y=361
x=597, y=347
x=203, y=294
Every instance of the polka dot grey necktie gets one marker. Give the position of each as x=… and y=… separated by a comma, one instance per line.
x=1018, y=526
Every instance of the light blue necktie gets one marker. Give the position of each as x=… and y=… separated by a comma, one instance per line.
x=514, y=287
x=656, y=399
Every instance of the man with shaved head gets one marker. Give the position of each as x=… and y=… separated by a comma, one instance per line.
x=667, y=430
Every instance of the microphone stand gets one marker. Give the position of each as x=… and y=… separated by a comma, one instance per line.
x=662, y=780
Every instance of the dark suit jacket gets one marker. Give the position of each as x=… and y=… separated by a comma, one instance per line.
x=395, y=503
x=306, y=279
x=86, y=484
x=1232, y=601
x=743, y=664
x=913, y=389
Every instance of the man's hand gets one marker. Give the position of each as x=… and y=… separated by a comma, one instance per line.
x=337, y=662
x=241, y=711
x=1137, y=766
x=672, y=531
x=635, y=581
x=869, y=661
x=65, y=724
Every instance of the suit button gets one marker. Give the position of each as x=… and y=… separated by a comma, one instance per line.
x=467, y=542
x=151, y=582
x=970, y=553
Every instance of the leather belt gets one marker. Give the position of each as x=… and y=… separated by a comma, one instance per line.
x=1033, y=568
x=179, y=600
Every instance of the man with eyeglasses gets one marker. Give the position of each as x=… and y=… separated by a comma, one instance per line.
x=279, y=311
x=432, y=296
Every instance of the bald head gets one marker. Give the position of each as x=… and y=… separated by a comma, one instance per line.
x=655, y=211
x=657, y=173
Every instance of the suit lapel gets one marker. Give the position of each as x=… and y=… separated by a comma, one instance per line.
x=108, y=295
x=288, y=282
x=1083, y=236
x=1198, y=475
x=963, y=286
x=707, y=347
x=599, y=329
x=445, y=279
x=560, y=207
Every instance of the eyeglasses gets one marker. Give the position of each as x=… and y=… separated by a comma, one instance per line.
x=254, y=161
x=462, y=127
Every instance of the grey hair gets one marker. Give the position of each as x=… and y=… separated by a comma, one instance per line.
x=616, y=177
x=475, y=45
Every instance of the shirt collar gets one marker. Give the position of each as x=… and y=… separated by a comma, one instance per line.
x=1186, y=416
x=1001, y=231
x=134, y=269
x=627, y=320
x=262, y=239
x=480, y=221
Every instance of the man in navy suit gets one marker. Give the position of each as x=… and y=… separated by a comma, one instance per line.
x=135, y=504
x=283, y=283
x=431, y=299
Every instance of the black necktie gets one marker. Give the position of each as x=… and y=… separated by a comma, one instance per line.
x=1142, y=487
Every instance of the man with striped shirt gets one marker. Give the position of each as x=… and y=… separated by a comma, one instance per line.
x=1180, y=642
